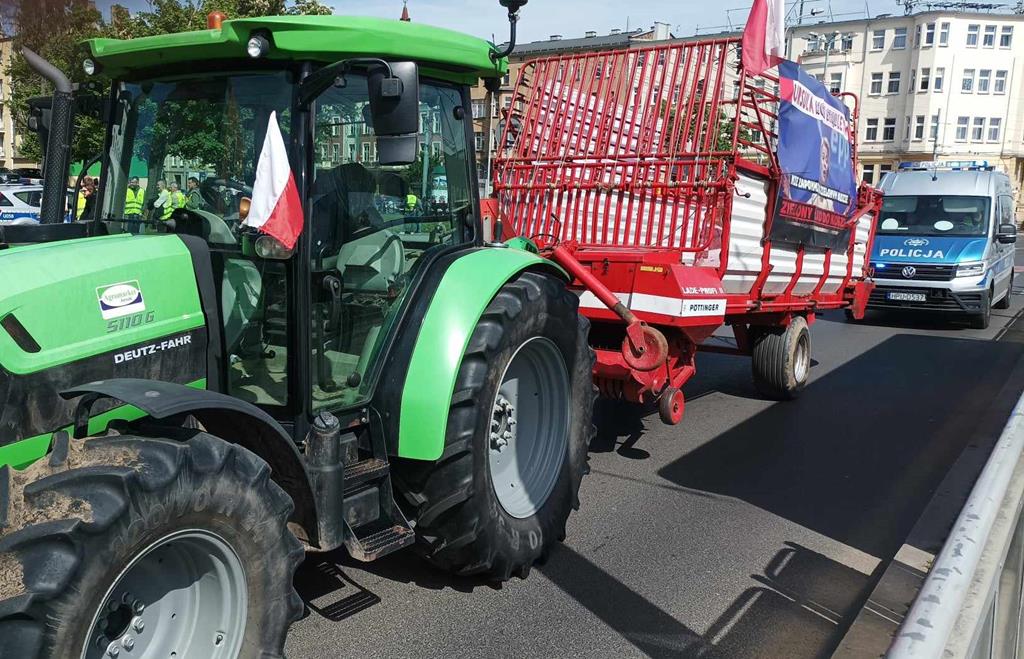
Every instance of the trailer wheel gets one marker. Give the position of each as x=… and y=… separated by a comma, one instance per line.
x=782, y=360
x=518, y=431
x=671, y=405
x=145, y=547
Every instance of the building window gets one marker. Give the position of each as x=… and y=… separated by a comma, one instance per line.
x=995, y=124
x=878, y=40
x=961, y=128
x=478, y=109
x=984, y=77
x=972, y=35
x=868, y=174
x=899, y=39
x=926, y=77
x=506, y=79
x=919, y=127
x=939, y=79
x=1006, y=36
x=847, y=43
x=929, y=34
x=967, y=86
x=1000, y=84
x=989, y=40
x=871, y=131
x=889, y=130
x=351, y=152
x=933, y=130
x=978, y=129
x=876, y=83
x=479, y=141
x=894, y=82
x=944, y=34
x=598, y=69
x=366, y=152
x=435, y=149
x=335, y=122
x=835, y=84
x=336, y=152
x=883, y=169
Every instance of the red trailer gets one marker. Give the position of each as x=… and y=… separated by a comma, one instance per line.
x=651, y=175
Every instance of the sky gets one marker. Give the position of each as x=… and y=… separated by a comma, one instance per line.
x=571, y=18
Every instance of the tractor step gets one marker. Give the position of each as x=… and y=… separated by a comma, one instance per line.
x=379, y=542
x=364, y=471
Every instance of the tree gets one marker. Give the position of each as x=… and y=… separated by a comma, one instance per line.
x=56, y=29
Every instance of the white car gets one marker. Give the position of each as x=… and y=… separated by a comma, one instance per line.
x=19, y=204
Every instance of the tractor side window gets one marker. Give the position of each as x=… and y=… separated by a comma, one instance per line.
x=370, y=225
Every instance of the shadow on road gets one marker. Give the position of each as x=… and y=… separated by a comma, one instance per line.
x=858, y=455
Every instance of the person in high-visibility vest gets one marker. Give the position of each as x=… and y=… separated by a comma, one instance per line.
x=133, y=205
x=410, y=202
x=175, y=199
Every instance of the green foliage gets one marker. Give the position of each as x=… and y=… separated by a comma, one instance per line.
x=56, y=29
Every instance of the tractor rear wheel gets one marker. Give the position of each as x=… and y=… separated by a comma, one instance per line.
x=145, y=547
x=782, y=360
x=516, y=444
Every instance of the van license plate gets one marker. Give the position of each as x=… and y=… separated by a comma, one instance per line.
x=902, y=296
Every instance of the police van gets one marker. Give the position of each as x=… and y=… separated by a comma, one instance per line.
x=945, y=240
x=19, y=204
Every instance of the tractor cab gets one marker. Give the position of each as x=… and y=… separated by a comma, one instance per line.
x=366, y=133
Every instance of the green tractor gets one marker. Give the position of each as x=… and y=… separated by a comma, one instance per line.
x=190, y=405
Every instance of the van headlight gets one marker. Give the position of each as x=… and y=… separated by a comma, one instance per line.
x=970, y=269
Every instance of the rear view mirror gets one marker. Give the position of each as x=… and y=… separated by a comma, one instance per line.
x=395, y=111
x=1007, y=233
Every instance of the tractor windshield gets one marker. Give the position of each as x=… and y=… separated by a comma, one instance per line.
x=193, y=143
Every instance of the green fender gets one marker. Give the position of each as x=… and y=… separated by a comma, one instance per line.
x=465, y=290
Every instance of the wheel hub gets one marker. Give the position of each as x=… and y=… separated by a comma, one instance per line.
x=183, y=596
x=529, y=429
x=503, y=423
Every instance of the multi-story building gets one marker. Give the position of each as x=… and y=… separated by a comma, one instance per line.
x=10, y=140
x=934, y=85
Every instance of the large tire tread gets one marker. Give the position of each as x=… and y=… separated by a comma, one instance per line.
x=65, y=518
x=453, y=531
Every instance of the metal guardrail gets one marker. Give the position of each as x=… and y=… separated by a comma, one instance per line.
x=970, y=602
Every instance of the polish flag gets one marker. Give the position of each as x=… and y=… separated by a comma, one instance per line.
x=276, y=209
x=764, y=37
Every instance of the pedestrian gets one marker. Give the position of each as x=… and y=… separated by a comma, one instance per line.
x=176, y=200
x=133, y=206
x=86, y=200
x=163, y=196
x=194, y=200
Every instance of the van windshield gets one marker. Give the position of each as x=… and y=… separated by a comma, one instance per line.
x=934, y=215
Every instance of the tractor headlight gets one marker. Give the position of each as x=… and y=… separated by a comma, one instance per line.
x=970, y=269
x=257, y=46
x=89, y=66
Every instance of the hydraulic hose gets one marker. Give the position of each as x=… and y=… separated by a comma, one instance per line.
x=58, y=147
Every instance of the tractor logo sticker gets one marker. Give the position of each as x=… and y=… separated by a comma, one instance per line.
x=120, y=299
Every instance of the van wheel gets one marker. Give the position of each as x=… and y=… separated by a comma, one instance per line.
x=1005, y=302
x=981, y=320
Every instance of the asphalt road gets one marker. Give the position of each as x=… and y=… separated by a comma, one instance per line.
x=752, y=529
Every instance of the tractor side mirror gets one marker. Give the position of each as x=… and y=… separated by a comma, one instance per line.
x=395, y=111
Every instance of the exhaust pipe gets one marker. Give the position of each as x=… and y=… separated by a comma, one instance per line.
x=58, y=147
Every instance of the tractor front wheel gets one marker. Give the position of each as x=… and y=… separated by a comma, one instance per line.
x=516, y=444
x=145, y=547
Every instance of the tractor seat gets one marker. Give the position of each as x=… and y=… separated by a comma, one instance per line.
x=372, y=263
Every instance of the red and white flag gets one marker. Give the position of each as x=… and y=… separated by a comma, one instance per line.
x=276, y=209
x=764, y=37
